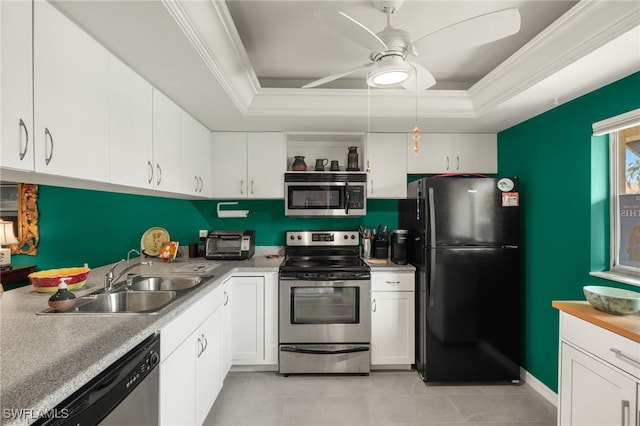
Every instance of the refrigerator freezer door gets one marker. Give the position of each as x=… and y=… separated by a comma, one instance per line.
x=468, y=315
x=471, y=211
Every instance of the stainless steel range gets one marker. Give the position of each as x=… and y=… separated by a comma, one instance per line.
x=325, y=293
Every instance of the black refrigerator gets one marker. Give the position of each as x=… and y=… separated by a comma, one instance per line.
x=464, y=237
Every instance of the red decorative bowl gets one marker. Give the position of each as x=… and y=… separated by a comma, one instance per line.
x=47, y=281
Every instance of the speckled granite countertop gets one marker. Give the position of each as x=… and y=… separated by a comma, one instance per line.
x=45, y=358
x=378, y=265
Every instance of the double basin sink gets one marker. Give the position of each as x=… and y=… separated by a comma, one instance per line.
x=138, y=295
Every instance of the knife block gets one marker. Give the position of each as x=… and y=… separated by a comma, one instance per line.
x=381, y=248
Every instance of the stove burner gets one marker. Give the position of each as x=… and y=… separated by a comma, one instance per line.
x=323, y=258
x=323, y=263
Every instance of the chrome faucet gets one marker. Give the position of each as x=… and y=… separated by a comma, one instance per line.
x=110, y=276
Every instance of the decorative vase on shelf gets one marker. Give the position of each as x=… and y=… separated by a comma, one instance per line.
x=298, y=164
x=352, y=159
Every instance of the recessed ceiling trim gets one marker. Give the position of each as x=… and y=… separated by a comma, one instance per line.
x=354, y=103
x=584, y=28
x=210, y=30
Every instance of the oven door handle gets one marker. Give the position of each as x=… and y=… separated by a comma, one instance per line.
x=324, y=352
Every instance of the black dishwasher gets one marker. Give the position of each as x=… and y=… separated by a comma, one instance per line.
x=126, y=393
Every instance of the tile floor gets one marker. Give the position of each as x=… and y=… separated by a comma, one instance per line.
x=382, y=398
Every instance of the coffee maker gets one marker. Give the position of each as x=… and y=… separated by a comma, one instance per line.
x=399, y=246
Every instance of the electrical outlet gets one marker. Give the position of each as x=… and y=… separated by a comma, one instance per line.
x=203, y=233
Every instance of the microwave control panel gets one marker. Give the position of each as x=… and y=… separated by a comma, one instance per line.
x=356, y=195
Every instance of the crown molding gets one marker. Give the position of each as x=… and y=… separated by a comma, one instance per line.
x=584, y=28
x=358, y=103
x=210, y=29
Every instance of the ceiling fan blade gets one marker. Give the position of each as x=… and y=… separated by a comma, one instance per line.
x=470, y=33
x=421, y=79
x=335, y=76
x=351, y=29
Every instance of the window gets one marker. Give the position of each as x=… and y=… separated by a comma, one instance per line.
x=625, y=188
x=624, y=162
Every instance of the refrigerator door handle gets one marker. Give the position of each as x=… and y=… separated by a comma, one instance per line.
x=432, y=241
x=417, y=202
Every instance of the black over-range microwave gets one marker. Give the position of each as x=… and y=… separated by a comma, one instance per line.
x=325, y=194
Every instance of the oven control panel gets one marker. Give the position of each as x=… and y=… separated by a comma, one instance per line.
x=322, y=238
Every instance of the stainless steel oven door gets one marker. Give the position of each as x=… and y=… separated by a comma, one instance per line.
x=331, y=312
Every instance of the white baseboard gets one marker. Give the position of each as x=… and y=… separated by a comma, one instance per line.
x=539, y=387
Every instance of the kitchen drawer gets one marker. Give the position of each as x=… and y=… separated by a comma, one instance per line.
x=392, y=281
x=601, y=343
x=177, y=331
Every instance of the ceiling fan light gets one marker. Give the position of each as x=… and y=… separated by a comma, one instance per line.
x=389, y=78
x=389, y=74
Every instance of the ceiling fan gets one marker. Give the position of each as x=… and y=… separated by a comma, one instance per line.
x=388, y=64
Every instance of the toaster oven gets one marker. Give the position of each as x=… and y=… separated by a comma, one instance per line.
x=230, y=245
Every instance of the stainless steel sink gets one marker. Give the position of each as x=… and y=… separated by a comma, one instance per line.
x=120, y=302
x=165, y=283
x=138, y=295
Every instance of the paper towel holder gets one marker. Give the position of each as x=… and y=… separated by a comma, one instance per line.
x=230, y=213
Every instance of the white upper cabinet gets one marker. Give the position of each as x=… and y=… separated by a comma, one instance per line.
x=195, y=144
x=247, y=165
x=71, y=98
x=166, y=143
x=386, y=165
x=130, y=127
x=433, y=156
x=453, y=153
x=475, y=152
x=266, y=163
x=16, y=85
x=229, y=164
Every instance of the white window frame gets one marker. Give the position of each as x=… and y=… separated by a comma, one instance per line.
x=620, y=273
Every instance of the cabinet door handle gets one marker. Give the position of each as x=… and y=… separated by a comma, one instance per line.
x=205, y=343
x=374, y=307
x=47, y=135
x=159, y=179
x=625, y=415
x=150, y=170
x=393, y=282
x=241, y=186
x=457, y=162
x=447, y=162
x=201, y=184
x=199, y=347
x=624, y=356
x=23, y=152
x=197, y=183
x=226, y=299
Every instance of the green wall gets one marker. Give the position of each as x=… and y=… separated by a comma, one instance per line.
x=562, y=174
x=78, y=226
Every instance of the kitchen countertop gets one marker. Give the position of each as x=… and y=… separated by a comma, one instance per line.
x=45, y=358
x=625, y=325
x=379, y=265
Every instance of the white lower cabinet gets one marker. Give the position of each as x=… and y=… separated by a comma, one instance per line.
x=392, y=319
x=191, y=368
x=599, y=381
x=254, y=319
x=227, y=354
